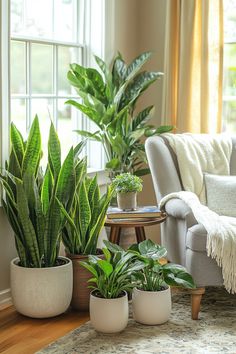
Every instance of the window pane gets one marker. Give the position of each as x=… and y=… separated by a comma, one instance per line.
x=44, y=109
x=67, y=116
x=229, y=20
x=32, y=18
x=229, y=89
x=42, y=68
x=18, y=114
x=66, y=56
x=18, y=67
x=65, y=20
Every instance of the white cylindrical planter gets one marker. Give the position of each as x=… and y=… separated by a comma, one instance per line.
x=151, y=307
x=127, y=201
x=109, y=315
x=41, y=292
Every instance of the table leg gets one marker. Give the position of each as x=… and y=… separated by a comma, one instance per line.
x=115, y=234
x=140, y=234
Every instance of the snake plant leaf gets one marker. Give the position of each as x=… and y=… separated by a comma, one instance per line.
x=32, y=153
x=66, y=179
x=26, y=224
x=137, y=64
x=80, y=171
x=46, y=190
x=17, y=143
x=78, y=148
x=84, y=211
x=14, y=166
x=54, y=152
x=142, y=118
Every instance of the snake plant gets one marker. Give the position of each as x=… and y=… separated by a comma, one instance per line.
x=109, y=100
x=86, y=217
x=32, y=198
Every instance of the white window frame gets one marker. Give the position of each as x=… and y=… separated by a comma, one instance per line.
x=103, y=49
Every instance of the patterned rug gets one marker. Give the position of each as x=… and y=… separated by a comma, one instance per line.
x=215, y=332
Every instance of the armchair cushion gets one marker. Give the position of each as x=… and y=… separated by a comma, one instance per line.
x=221, y=194
x=196, y=238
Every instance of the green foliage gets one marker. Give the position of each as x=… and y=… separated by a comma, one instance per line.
x=31, y=199
x=155, y=275
x=86, y=217
x=112, y=276
x=109, y=100
x=126, y=182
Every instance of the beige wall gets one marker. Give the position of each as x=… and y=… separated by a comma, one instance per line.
x=138, y=26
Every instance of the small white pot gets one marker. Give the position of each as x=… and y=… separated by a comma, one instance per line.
x=127, y=201
x=109, y=315
x=41, y=292
x=151, y=307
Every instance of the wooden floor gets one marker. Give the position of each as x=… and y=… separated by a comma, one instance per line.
x=23, y=335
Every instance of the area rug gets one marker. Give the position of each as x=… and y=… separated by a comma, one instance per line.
x=214, y=332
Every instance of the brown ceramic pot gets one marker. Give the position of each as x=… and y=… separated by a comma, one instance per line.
x=81, y=292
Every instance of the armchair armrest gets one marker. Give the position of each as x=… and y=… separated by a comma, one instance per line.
x=178, y=209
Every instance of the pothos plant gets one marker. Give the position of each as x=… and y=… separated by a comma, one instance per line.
x=109, y=100
x=155, y=275
x=111, y=276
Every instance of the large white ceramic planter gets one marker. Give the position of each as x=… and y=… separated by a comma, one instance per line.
x=109, y=315
x=41, y=292
x=151, y=307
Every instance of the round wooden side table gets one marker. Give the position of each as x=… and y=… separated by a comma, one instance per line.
x=117, y=224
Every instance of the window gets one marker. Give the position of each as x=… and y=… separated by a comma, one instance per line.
x=46, y=36
x=229, y=82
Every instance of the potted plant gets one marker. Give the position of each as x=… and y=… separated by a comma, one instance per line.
x=81, y=231
x=41, y=281
x=109, y=99
x=111, y=280
x=127, y=186
x=151, y=298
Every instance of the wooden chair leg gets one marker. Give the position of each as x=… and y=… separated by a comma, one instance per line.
x=114, y=234
x=196, y=297
x=140, y=234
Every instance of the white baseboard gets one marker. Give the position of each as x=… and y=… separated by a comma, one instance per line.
x=5, y=296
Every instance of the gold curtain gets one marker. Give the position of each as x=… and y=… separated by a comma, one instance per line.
x=192, y=96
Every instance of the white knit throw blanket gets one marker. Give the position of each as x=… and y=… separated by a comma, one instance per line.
x=193, y=160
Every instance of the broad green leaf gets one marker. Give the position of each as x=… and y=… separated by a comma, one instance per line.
x=113, y=164
x=137, y=64
x=91, y=113
x=105, y=266
x=87, y=134
x=142, y=172
x=142, y=118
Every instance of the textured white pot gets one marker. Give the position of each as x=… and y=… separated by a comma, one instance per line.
x=41, y=292
x=109, y=315
x=127, y=201
x=151, y=307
